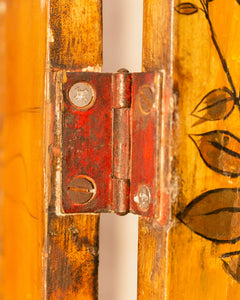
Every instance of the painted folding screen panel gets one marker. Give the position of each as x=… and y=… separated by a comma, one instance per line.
x=196, y=255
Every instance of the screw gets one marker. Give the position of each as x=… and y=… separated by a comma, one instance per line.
x=123, y=70
x=81, y=95
x=146, y=99
x=81, y=189
x=143, y=197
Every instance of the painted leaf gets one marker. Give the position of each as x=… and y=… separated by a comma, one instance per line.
x=231, y=264
x=216, y=105
x=215, y=215
x=220, y=150
x=186, y=8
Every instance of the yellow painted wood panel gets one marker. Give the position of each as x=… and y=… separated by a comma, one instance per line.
x=199, y=252
x=206, y=167
x=45, y=255
x=23, y=150
x=2, y=103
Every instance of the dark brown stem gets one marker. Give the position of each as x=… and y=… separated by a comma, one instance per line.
x=223, y=60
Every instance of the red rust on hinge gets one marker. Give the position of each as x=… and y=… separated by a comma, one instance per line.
x=87, y=143
x=121, y=90
x=111, y=145
x=144, y=143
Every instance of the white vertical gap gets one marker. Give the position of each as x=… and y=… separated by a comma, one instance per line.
x=118, y=257
x=122, y=48
x=122, y=35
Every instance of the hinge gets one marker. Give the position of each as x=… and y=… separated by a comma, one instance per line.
x=110, y=143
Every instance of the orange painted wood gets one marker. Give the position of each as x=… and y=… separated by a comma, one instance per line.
x=45, y=255
x=2, y=103
x=22, y=159
x=196, y=256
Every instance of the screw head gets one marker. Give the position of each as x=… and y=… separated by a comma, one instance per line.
x=123, y=70
x=82, y=95
x=143, y=197
x=81, y=189
x=145, y=99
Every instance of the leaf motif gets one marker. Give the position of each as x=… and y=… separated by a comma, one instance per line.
x=231, y=264
x=186, y=8
x=220, y=150
x=215, y=215
x=216, y=105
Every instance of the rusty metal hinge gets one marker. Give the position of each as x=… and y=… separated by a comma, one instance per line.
x=111, y=143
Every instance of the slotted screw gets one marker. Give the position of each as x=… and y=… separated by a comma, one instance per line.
x=81, y=189
x=146, y=98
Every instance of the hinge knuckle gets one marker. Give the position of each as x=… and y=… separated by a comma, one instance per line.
x=121, y=141
x=121, y=89
x=121, y=195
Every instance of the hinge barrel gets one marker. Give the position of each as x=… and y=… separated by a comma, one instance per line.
x=121, y=158
x=120, y=195
x=121, y=87
x=121, y=90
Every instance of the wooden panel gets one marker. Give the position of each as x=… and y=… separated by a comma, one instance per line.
x=76, y=32
x=152, y=253
x=75, y=42
x=2, y=103
x=157, y=27
x=32, y=233
x=201, y=256
x=152, y=245
x=206, y=59
x=23, y=150
x=73, y=258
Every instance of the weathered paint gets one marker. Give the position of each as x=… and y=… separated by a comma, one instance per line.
x=116, y=143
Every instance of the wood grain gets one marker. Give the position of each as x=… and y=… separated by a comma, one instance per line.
x=152, y=245
x=193, y=259
x=75, y=42
x=46, y=256
x=157, y=29
x=2, y=103
x=152, y=264
x=76, y=32
x=73, y=257
x=22, y=161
